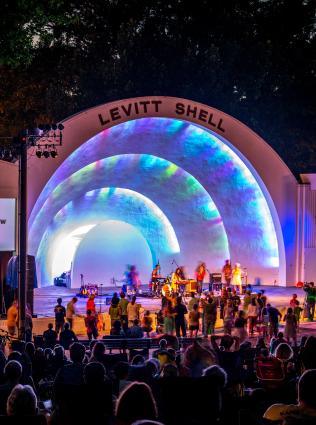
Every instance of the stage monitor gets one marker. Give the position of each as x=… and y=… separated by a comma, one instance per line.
x=7, y=224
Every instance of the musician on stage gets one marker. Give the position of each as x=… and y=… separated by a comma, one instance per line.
x=133, y=278
x=200, y=272
x=236, y=277
x=227, y=272
x=177, y=277
x=155, y=275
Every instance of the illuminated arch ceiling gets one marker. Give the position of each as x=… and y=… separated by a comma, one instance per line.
x=213, y=201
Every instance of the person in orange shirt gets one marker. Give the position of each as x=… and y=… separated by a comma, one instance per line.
x=12, y=318
x=91, y=305
x=200, y=272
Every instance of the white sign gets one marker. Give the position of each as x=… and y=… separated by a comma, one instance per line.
x=7, y=224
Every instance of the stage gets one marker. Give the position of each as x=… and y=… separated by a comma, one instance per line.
x=45, y=300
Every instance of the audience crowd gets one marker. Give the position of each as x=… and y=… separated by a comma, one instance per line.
x=250, y=374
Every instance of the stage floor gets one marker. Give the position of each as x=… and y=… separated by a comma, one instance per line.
x=45, y=301
x=45, y=298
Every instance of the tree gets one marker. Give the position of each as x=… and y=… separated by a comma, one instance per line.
x=255, y=60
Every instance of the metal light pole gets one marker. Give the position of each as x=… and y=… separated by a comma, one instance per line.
x=45, y=139
x=22, y=228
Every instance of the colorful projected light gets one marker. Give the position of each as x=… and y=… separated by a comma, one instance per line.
x=215, y=202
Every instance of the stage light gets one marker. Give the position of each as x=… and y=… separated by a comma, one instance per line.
x=53, y=153
x=46, y=152
x=48, y=127
x=38, y=153
x=60, y=127
x=54, y=126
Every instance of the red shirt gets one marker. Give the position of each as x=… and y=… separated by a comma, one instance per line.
x=91, y=323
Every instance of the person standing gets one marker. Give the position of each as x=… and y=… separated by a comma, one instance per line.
x=71, y=311
x=91, y=304
x=168, y=314
x=310, y=300
x=193, y=300
x=274, y=316
x=50, y=337
x=236, y=277
x=91, y=325
x=236, y=301
x=123, y=303
x=240, y=327
x=60, y=314
x=180, y=310
x=227, y=272
x=194, y=320
x=210, y=313
x=200, y=272
x=28, y=324
x=132, y=311
x=155, y=275
x=67, y=337
x=290, y=328
x=253, y=312
x=12, y=318
x=147, y=323
x=228, y=317
x=114, y=312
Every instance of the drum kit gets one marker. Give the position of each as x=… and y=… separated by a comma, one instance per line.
x=162, y=286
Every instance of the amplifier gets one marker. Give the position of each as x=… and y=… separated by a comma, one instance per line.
x=215, y=277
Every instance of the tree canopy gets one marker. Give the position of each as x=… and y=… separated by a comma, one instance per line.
x=255, y=60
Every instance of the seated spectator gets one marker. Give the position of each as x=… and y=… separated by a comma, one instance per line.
x=169, y=370
x=30, y=351
x=307, y=355
x=162, y=347
x=50, y=336
x=12, y=376
x=147, y=323
x=218, y=378
x=197, y=357
x=97, y=392
x=154, y=366
x=67, y=337
x=276, y=341
x=147, y=422
x=306, y=400
x=59, y=359
x=261, y=344
x=26, y=378
x=136, y=402
x=283, y=352
x=162, y=354
x=216, y=372
x=3, y=361
x=22, y=401
x=117, y=330
x=72, y=374
x=98, y=353
x=121, y=374
x=39, y=365
x=135, y=331
x=138, y=360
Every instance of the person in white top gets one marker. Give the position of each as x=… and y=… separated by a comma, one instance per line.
x=253, y=311
x=132, y=311
x=71, y=311
x=306, y=406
